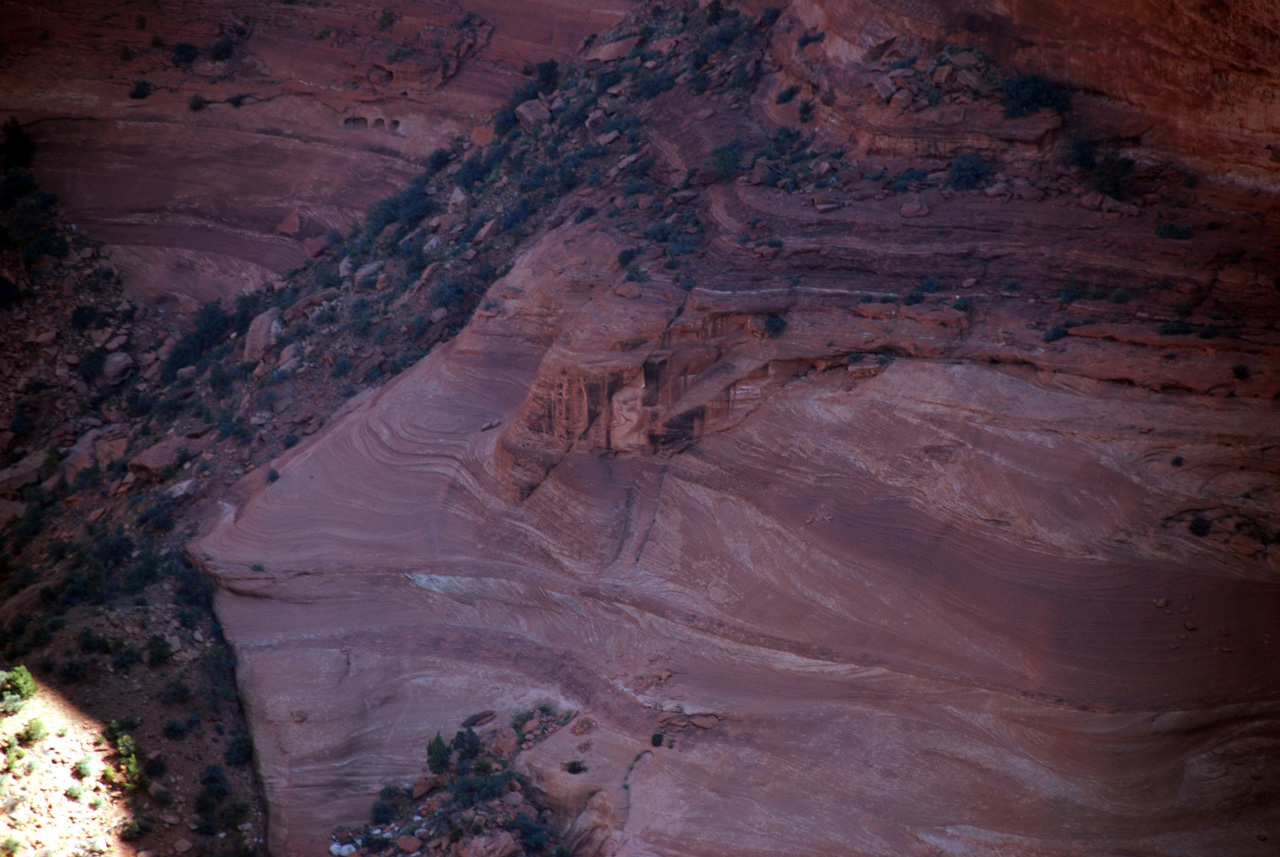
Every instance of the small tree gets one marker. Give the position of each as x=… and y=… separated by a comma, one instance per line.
x=438, y=755
x=726, y=160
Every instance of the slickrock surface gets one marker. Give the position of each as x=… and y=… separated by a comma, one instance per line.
x=923, y=520
x=950, y=602
x=315, y=112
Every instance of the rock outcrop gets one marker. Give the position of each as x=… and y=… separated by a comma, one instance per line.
x=205, y=177
x=913, y=503
x=948, y=597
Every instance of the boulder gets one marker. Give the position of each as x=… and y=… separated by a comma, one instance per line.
x=152, y=461
x=263, y=333
x=116, y=367
x=495, y=845
x=914, y=207
x=368, y=273
x=531, y=114
x=22, y=474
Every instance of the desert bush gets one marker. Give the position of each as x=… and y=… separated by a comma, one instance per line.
x=1199, y=526
x=727, y=159
x=1054, y=333
x=438, y=755
x=968, y=171
x=786, y=95
x=222, y=49
x=19, y=682
x=1027, y=93
x=184, y=54
x=383, y=812
x=653, y=85
x=1082, y=153
x=240, y=750
x=33, y=732
x=141, y=89
x=1170, y=230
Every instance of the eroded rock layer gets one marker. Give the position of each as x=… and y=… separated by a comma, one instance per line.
x=923, y=519
x=944, y=603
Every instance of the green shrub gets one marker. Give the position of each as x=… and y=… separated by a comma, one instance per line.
x=1054, y=333
x=438, y=754
x=807, y=38
x=656, y=739
x=75, y=792
x=33, y=732
x=968, y=171
x=383, y=812
x=727, y=159
x=1170, y=230
x=240, y=750
x=158, y=650
x=10, y=846
x=652, y=85
x=786, y=95
x=1199, y=526
x=1174, y=328
x=175, y=730
x=222, y=49
x=19, y=681
x=135, y=829
x=184, y=54
x=141, y=89
x=1241, y=372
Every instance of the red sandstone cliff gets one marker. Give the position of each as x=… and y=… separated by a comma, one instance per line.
x=901, y=576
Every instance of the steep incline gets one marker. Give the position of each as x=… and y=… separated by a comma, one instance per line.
x=927, y=503
x=312, y=113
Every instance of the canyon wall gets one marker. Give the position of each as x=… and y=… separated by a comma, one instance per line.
x=1191, y=80
x=919, y=518
x=313, y=113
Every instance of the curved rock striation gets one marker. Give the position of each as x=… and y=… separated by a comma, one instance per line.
x=920, y=518
x=950, y=601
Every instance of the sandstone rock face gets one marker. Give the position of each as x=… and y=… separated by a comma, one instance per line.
x=899, y=548
x=191, y=201
x=910, y=604
x=1146, y=63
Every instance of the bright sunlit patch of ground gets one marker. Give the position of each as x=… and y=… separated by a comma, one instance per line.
x=52, y=794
